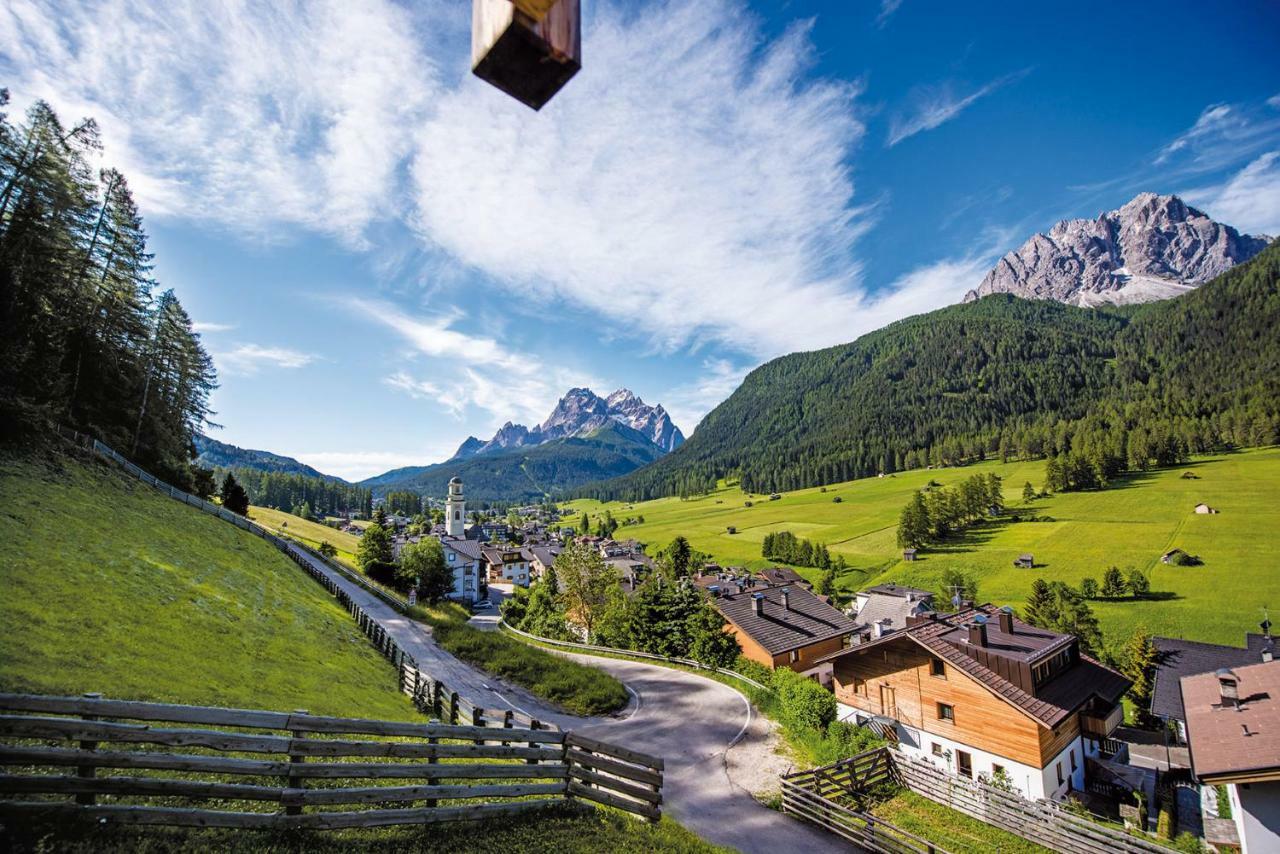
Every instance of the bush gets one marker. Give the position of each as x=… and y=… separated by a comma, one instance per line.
x=1188, y=842
x=804, y=703
x=837, y=500
x=381, y=572
x=1164, y=822
x=1224, y=801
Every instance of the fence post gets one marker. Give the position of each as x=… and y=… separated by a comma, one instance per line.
x=506, y=723
x=535, y=725
x=294, y=781
x=453, y=707
x=477, y=719
x=88, y=771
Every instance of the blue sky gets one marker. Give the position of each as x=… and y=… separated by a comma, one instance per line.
x=385, y=255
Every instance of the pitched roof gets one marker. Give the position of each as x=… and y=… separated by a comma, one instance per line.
x=891, y=610
x=1235, y=743
x=805, y=621
x=943, y=635
x=1176, y=658
x=467, y=548
x=898, y=590
x=546, y=555
x=782, y=575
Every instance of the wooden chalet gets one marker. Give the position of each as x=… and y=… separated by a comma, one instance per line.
x=980, y=692
x=782, y=626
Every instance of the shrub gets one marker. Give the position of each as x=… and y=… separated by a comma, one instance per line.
x=1188, y=842
x=837, y=500
x=805, y=703
x=1224, y=801
x=1164, y=822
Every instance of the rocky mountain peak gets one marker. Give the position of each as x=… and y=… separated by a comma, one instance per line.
x=1153, y=247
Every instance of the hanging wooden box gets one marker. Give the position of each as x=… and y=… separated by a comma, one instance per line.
x=528, y=48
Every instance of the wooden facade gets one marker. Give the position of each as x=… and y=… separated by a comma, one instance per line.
x=897, y=680
x=805, y=655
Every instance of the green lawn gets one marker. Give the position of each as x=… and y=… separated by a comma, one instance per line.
x=308, y=533
x=948, y=828
x=111, y=587
x=1131, y=524
x=558, y=831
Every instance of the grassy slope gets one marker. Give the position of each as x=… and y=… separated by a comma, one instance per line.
x=1129, y=525
x=308, y=533
x=114, y=588
x=948, y=828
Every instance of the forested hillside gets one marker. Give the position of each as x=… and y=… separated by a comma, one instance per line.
x=528, y=474
x=1002, y=376
x=87, y=339
x=319, y=496
x=215, y=455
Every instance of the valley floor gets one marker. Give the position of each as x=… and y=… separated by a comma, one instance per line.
x=1129, y=525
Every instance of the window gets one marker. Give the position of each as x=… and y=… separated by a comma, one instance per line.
x=964, y=763
x=946, y=713
x=846, y=641
x=451, y=557
x=1059, y=767
x=996, y=770
x=1072, y=754
x=795, y=656
x=859, y=686
x=937, y=668
x=937, y=749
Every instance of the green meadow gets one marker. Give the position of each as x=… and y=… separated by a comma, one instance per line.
x=111, y=587
x=1129, y=525
x=308, y=533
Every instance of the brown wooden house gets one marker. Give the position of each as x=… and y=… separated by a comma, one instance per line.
x=980, y=693
x=782, y=626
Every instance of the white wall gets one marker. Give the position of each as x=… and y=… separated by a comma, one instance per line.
x=1255, y=808
x=1029, y=781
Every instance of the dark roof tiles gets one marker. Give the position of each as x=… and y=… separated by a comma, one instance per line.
x=806, y=620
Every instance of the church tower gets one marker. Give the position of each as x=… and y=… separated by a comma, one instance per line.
x=455, y=510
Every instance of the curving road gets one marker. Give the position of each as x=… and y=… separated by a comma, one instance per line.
x=688, y=720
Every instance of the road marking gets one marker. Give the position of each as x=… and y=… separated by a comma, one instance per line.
x=639, y=702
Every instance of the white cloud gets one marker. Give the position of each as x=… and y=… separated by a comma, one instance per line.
x=248, y=359
x=1248, y=200
x=887, y=8
x=937, y=104
x=1274, y=101
x=468, y=371
x=688, y=183
x=1222, y=135
x=248, y=113
x=206, y=328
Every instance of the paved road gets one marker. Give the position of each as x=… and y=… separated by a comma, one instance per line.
x=688, y=720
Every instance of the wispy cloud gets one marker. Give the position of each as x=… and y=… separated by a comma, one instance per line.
x=207, y=328
x=246, y=113
x=1248, y=200
x=249, y=359
x=469, y=370
x=1274, y=101
x=712, y=205
x=887, y=8
x=934, y=105
x=1222, y=134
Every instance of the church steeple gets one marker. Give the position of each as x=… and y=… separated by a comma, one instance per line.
x=455, y=509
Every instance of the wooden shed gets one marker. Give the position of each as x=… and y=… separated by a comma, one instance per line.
x=527, y=48
x=1024, y=561
x=908, y=554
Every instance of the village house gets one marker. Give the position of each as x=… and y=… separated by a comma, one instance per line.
x=464, y=558
x=1233, y=729
x=981, y=693
x=1177, y=659
x=781, y=626
x=541, y=558
x=886, y=608
x=506, y=563
x=776, y=576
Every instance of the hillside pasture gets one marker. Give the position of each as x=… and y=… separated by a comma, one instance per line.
x=1129, y=525
x=112, y=587
x=308, y=533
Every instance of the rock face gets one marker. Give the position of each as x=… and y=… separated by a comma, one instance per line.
x=579, y=413
x=1153, y=248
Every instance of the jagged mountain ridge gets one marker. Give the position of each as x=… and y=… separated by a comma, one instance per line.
x=1154, y=247
x=579, y=413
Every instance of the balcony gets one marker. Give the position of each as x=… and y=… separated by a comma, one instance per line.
x=1098, y=720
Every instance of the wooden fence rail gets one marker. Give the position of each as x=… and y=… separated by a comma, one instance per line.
x=822, y=795
x=288, y=760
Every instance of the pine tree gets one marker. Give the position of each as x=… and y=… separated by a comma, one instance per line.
x=913, y=524
x=1139, y=659
x=1038, y=611
x=1028, y=493
x=1113, y=584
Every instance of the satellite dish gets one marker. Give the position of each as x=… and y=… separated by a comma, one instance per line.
x=527, y=48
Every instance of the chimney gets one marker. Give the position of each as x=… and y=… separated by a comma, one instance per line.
x=1228, y=689
x=714, y=590
x=1268, y=652
x=1006, y=620
x=978, y=631
x=786, y=598
x=757, y=604
x=880, y=626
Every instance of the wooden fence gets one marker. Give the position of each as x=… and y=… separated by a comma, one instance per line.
x=822, y=796
x=312, y=772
